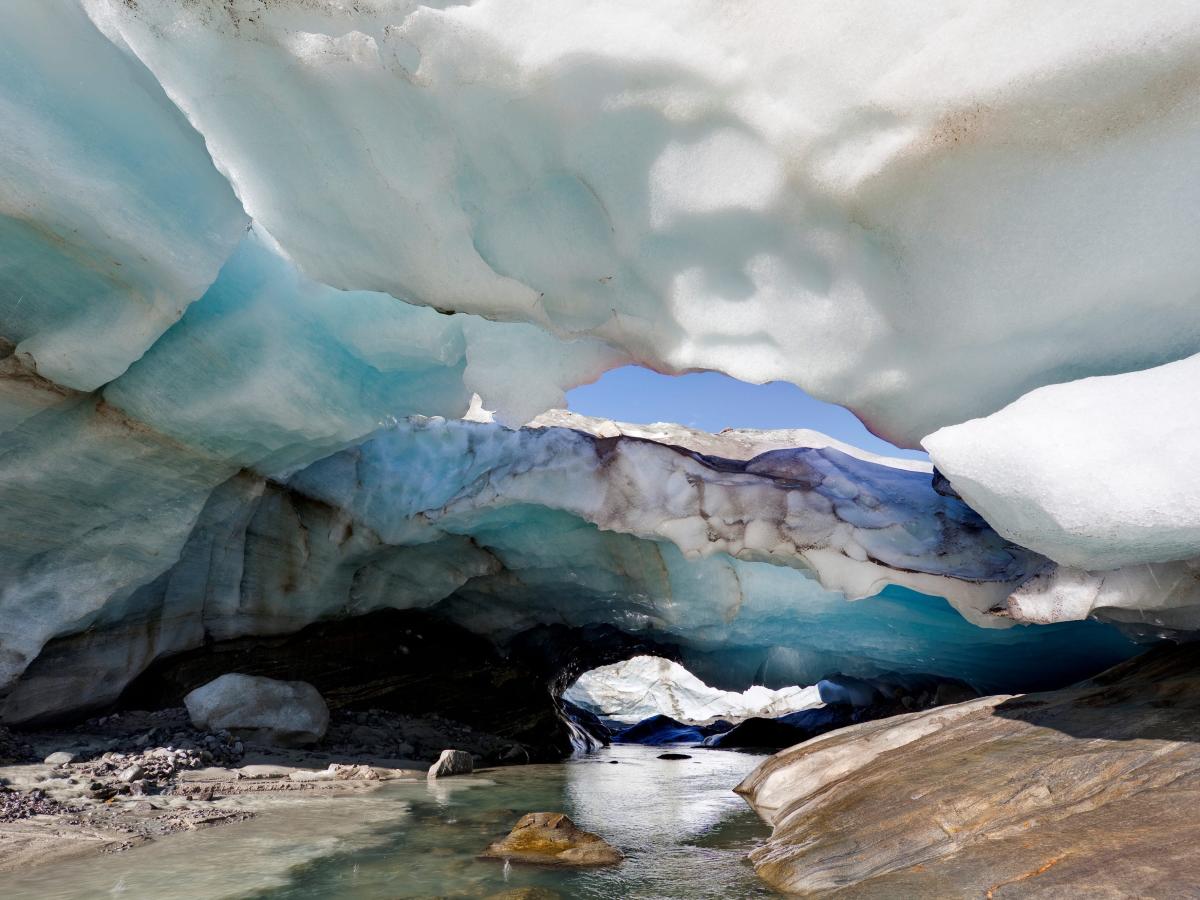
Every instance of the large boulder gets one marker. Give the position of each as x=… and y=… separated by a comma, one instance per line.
x=552, y=839
x=1089, y=791
x=452, y=762
x=288, y=713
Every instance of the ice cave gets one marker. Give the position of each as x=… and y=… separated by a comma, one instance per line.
x=316, y=581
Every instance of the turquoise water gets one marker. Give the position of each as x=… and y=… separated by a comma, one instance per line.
x=684, y=833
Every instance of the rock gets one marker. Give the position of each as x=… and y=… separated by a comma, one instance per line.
x=61, y=758
x=452, y=762
x=552, y=839
x=313, y=775
x=100, y=791
x=133, y=773
x=659, y=730
x=775, y=734
x=354, y=773
x=673, y=756
x=368, y=735
x=288, y=713
x=1087, y=791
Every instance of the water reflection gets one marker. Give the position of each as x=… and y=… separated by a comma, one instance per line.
x=684, y=833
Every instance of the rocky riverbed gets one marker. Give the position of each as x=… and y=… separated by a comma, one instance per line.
x=119, y=780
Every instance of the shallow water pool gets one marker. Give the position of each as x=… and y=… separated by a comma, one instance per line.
x=684, y=833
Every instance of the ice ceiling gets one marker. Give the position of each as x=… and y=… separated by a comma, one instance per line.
x=241, y=242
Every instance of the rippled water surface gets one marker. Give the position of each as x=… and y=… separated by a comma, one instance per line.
x=684, y=833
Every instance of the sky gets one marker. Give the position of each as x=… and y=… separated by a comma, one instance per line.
x=711, y=401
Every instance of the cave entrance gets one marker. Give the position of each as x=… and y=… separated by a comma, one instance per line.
x=653, y=700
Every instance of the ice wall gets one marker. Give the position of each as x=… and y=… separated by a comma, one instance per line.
x=745, y=565
x=240, y=243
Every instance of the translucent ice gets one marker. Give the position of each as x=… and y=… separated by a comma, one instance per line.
x=112, y=216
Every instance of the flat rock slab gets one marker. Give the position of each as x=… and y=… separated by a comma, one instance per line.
x=552, y=839
x=1089, y=791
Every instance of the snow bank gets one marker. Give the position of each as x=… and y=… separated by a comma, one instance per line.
x=1097, y=474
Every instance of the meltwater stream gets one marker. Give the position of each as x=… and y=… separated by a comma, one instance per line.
x=684, y=835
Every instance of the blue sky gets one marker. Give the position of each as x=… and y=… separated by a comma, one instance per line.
x=711, y=401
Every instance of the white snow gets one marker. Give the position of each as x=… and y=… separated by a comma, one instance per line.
x=919, y=213
x=1096, y=474
x=645, y=686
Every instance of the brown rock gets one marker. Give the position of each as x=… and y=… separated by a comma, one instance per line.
x=1089, y=791
x=551, y=839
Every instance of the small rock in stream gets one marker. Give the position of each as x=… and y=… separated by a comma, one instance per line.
x=552, y=839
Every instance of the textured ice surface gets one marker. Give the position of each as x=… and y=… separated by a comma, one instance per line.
x=775, y=191
x=922, y=215
x=646, y=686
x=505, y=531
x=1149, y=597
x=1097, y=473
x=112, y=216
x=857, y=525
x=293, y=369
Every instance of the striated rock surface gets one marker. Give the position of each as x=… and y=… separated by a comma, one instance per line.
x=552, y=839
x=288, y=713
x=1086, y=791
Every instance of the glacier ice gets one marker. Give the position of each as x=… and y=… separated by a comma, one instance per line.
x=1151, y=598
x=294, y=370
x=241, y=244
x=1097, y=473
x=645, y=686
x=744, y=564
x=773, y=191
x=112, y=216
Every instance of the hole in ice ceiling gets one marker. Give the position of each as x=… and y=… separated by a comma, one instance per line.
x=643, y=686
x=711, y=401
